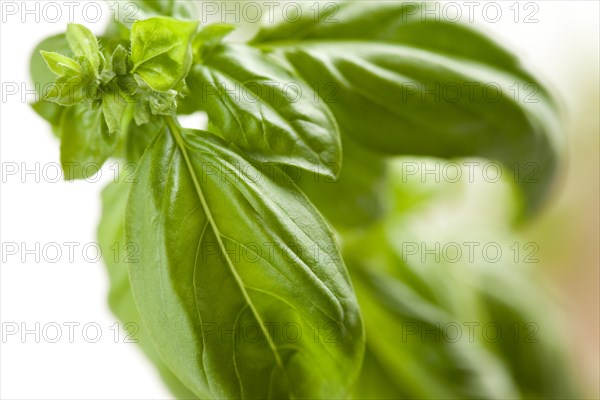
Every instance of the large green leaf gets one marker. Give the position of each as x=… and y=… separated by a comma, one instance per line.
x=265, y=110
x=117, y=255
x=411, y=85
x=139, y=137
x=240, y=282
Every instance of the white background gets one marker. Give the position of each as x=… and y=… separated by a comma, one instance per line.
x=562, y=48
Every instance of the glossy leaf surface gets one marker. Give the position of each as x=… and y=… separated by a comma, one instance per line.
x=161, y=50
x=118, y=254
x=252, y=257
x=264, y=109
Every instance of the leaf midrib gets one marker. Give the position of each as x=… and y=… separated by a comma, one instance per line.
x=176, y=133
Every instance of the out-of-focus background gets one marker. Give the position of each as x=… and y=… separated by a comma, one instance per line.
x=560, y=44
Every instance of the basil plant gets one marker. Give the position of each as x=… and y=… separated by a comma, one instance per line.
x=251, y=239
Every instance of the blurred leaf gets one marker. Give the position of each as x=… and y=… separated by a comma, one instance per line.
x=358, y=197
x=422, y=87
x=209, y=37
x=406, y=336
x=413, y=306
x=42, y=77
x=532, y=347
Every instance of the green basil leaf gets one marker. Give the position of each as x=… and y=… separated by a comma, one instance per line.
x=61, y=65
x=407, y=311
x=265, y=110
x=85, y=141
x=120, y=60
x=114, y=108
x=400, y=23
x=206, y=269
x=119, y=66
x=161, y=51
x=84, y=44
x=128, y=84
x=538, y=361
x=375, y=380
x=73, y=83
x=427, y=306
x=408, y=85
x=68, y=91
x=118, y=254
x=404, y=329
x=426, y=311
